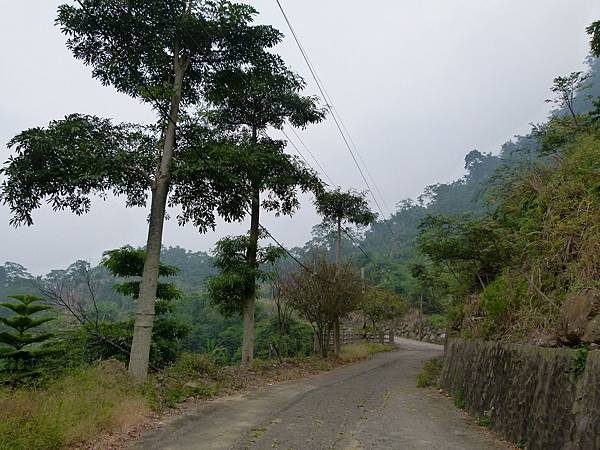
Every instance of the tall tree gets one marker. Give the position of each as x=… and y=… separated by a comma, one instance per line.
x=339, y=208
x=160, y=53
x=594, y=31
x=248, y=100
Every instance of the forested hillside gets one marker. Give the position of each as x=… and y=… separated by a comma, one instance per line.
x=500, y=248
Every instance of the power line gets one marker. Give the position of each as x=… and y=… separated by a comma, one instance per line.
x=365, y=166
x=311, y=154
x=347, y=233
x=295, y=147
x=356, y=243
x=330, y=108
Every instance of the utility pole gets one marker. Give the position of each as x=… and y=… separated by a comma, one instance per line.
x=362, y=277
x=421, y=318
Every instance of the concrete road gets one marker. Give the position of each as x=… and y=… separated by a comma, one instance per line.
x=373, y=404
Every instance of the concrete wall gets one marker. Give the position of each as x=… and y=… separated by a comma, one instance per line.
x=533, y=395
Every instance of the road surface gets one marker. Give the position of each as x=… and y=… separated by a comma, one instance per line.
x=373, y=404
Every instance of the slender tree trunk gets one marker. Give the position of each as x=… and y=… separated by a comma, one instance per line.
x=144, y=318
x=337, y=342
x=250, y=300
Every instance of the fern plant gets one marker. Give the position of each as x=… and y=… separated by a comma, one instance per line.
x=21, y=345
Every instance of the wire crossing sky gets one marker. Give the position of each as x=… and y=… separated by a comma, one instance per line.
x=418, y=84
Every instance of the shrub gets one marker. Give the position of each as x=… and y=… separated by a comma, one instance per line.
x=438, y=321
x=297, y=339
x=500, y=300
x=430, y=373
x=580, y=360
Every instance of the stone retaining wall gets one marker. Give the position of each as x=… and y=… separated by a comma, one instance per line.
x=535, y=397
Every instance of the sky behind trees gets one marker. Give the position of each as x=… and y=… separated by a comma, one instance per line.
x=419, y=84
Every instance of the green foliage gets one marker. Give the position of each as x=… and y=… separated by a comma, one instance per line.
x=594, y=31
x=215, y=352
x=113, y=339
x=137, y=47
x=71, y=160
x=356, y=352
x=564, y=88
x=238, y=277
x=245, y=100
x=473, y=251
x=513, y=268
x=107, y=339
x=381, y=306
x=439, y=321
x=297, y=339
x=22, y=346
x=265, y=93
x=344, y=207
x=486, y=420
x=580, y=360
x=430, y=373
x=428, y=289
x=192, y=375
x=459, y=400
x=148, y=34
x=128, y=262
x=500, y=300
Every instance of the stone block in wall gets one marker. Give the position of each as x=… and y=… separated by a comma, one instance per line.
x=580, y=318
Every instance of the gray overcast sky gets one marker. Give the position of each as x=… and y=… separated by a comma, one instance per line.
x=419, y=83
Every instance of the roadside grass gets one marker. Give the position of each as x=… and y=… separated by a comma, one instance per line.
x=355, y=352
x=85, y=403
x=90, y=402
x=430, y=373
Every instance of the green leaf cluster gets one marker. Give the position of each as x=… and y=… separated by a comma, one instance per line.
x=238, y=277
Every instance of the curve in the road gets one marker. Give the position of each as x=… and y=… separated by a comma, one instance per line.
x=369, y=405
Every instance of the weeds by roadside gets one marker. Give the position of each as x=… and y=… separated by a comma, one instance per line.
x=84, y=403
x=356, y=352
x=430, y=373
